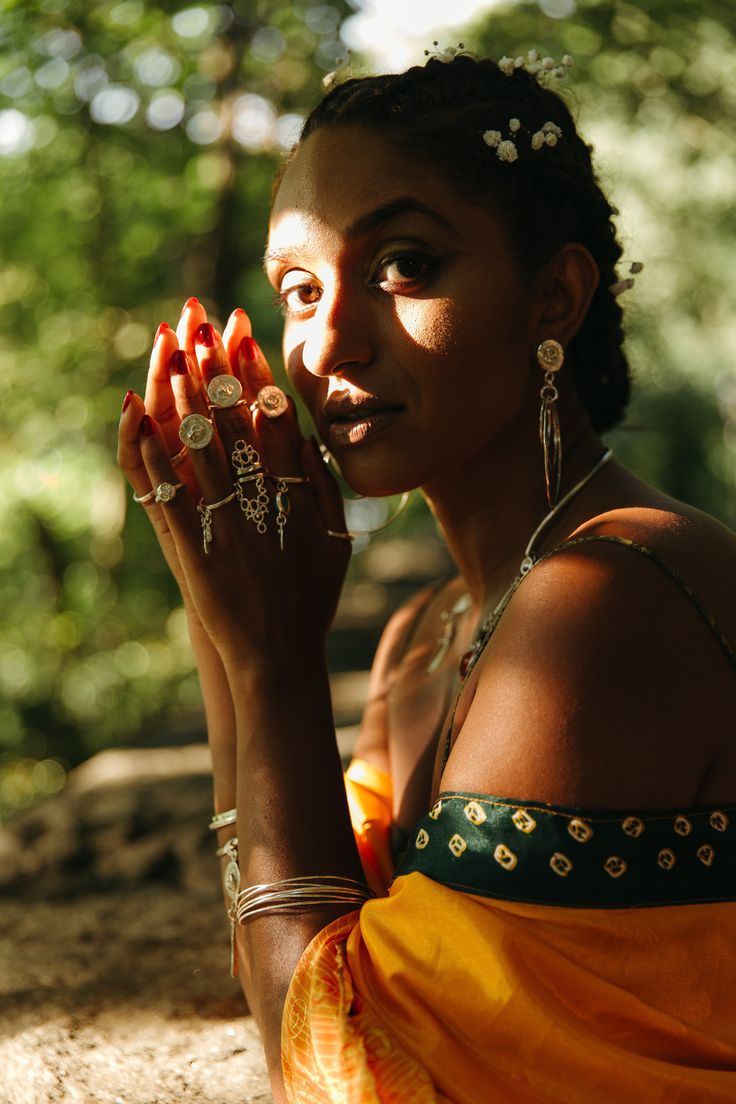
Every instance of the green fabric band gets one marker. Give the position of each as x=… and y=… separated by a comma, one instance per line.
x=555, y=855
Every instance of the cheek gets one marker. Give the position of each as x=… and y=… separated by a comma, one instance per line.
x=432, y=325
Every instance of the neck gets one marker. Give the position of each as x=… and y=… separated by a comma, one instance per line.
x=488, y=511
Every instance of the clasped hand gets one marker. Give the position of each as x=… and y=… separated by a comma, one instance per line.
x=261, y=572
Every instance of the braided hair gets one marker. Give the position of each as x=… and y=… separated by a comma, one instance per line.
x=438, y=113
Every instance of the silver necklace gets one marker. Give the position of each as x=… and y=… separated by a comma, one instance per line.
x=447, y=636
x=488, y=625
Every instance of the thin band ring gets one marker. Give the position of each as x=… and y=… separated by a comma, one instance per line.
x=179, y=456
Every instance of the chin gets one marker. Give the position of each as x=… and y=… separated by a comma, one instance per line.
x=374, y=479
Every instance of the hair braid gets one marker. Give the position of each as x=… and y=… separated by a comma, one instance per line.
x=438, y=113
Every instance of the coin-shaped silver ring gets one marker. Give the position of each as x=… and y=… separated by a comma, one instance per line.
x=166, y=492
x=196, y=431
x=224, y=390
x=272, y=401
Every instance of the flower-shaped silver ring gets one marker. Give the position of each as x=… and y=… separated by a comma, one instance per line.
x=224, y=390
x=196, y=431
x=271, y=401
x=166, y=492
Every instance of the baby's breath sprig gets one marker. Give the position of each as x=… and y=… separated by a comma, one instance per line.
x=506, y=148
x=542, y=68
x=448, y=54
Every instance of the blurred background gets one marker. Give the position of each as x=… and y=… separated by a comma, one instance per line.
x=138, y=140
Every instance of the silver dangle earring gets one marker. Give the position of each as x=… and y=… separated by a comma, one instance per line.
x=551, y=357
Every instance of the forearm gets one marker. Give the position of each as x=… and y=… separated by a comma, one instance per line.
x=220, y=717
x=292, y=820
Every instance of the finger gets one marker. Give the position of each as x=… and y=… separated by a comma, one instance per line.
x=325, y=490
x=237, y=328
x=253, y=368
x=233, y=422
x=280, y=437
x=193, y=315
x=159, y=398
x=208, y=463
x=210, y=353
x=280, y=440
x=129, y=457
x=178, y=515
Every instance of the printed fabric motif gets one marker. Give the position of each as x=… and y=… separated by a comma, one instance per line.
x=554, y=855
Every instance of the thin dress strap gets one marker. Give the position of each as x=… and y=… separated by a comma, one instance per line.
x=676, y=578
x=641, y=548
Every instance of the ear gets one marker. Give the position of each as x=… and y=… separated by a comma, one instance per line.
x=564, y=291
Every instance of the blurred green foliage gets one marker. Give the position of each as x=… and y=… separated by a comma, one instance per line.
x=137, y=144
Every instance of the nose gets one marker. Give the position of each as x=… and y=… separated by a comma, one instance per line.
x=338, y=335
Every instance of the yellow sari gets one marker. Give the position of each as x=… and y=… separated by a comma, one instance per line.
x=531, y=954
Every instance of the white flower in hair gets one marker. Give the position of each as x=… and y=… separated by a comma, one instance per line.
x=514, y=125
x=551, y=128
x=507, y=151
x=448, y=54
x=550, y=139
x=541, y=68
x=492, y=137
x=538, y=139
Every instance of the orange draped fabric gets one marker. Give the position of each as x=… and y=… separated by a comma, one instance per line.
x=370, y=793
x=434, y=996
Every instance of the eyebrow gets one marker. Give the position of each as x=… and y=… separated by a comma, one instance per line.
x=363, y=224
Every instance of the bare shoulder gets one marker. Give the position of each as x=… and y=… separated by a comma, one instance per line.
x=604, y=684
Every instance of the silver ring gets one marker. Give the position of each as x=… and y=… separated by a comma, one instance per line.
x=166, y=492
x=288, y=478
x=142, y=500
x=341, y=536
x=179, y=456
x=224, y=391
x=196, y=431
x=271, y=401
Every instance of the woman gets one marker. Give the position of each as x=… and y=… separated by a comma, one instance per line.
x=557, y=924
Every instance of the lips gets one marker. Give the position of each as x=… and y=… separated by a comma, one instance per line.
x=353, y=418
x=357, y=408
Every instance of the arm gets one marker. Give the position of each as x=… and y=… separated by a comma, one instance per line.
x=265, y=614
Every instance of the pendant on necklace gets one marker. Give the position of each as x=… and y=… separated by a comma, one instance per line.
x=447, y=637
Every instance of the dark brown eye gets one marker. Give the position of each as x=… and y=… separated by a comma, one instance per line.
x=300, y=297
x=402, y=270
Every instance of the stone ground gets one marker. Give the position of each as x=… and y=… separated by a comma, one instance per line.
x=113, y=945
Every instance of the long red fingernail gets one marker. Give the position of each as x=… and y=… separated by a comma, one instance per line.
x=249, y=348
x=205, y=335
x=126, y=400
x=192, y=301
x=238, y=310
x=148, y=426
x=160, y=330
x=178, y=363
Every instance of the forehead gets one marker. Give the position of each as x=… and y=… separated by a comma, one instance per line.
x=341, y=173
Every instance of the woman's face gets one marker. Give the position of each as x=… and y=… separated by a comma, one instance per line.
x=408, y=329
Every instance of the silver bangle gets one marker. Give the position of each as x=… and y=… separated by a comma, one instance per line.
x=297, y=894
x=224, y=819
